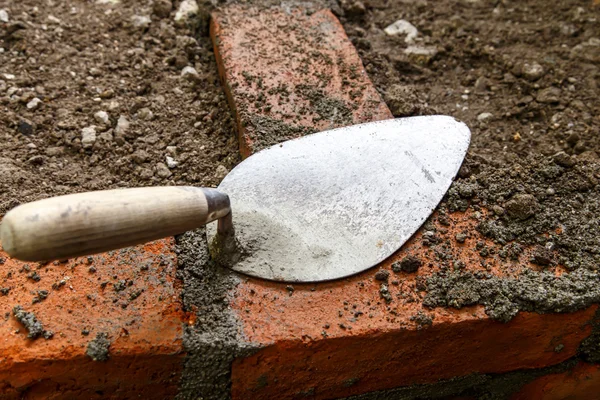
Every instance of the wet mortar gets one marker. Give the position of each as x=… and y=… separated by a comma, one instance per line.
x=212, y=339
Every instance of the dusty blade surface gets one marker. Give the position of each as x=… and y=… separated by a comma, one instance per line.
x=335, y=203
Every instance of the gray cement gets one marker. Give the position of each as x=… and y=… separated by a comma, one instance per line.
x=214, y=341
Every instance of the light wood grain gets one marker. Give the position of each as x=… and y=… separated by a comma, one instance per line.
x=87, y=223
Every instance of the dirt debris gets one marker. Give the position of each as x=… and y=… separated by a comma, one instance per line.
x=34, y=327
x=98, y=348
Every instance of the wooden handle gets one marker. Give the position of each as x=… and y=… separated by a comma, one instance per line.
x=87, y=223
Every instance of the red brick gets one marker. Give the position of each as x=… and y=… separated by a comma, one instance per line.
x=582, y=382
x=146, y=355
x=304, y=351
x=285, y=73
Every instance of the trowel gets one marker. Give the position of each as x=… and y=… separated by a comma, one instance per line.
x=321, y=207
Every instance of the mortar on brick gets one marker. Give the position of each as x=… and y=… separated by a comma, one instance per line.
x=212, y=338
x=562, y=223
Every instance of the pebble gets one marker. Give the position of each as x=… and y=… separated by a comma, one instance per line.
x=140, y=156
x=3, y=86
x=102, y=117
x=162, y=8
x=88, y=136
x=422, y=54
x=460, y=237
x=140, y=21
x=162, y=170
x=53, y=20
x=25, y=127
x=106, y=136
x=382, y=275
x=3, y=15
x=9, y=77
x=221, y=172
x=34, y=103
x=171, y=163
x=54, y=151
x=36, y=160
x=521, y=206
x=187, y=10
x=533, y=71
x=549, y=95
x=484, y=116
x=402, y=27
x=189, y=73
x=172, y=150
x=122, y=126
x=145, y=114
x=563, y=159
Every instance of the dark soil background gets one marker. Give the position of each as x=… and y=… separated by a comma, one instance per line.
x=83, y=57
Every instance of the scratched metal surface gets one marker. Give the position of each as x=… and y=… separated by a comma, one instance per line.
x=335, y=203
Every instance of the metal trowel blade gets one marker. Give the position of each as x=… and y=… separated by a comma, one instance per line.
x=335, y=203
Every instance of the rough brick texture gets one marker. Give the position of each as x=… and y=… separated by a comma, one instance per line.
x=131, y=296
x=288, y=74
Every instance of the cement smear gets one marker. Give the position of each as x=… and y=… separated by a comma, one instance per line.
x=214, y=341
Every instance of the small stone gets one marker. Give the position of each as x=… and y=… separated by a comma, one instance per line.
x=106, y=137
x=549, y=95
x=102, y=117
x=481, y=84
x=162, y=170
x=573, y=138
x=25, y=127
x=171, y=163
x=31, y=323
x=146, y=114
x=533, y=71
x=382, y=275
x=421, y=54
x=172, y=150
x=53, y=20
x=9, y=77
x=122, y=126
x=402, y=27
x=189, y=74
x=98, y=349
x=221, y=172
x=384, y=293
x=498, y=210
x=36, y=160
x=162, y=8
x=188, y=9
x=3, y=16
x=407, y=264
x=146, y=173
x=140, y=156
x=542, y=256
x=34, y=103
x=460, y=237
x=353, y=8
x=521, y=206
x=140, y=21
x=88, y=137
x=54, y=151
x=484, y=116
x=107, y=94
x=563, y=159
